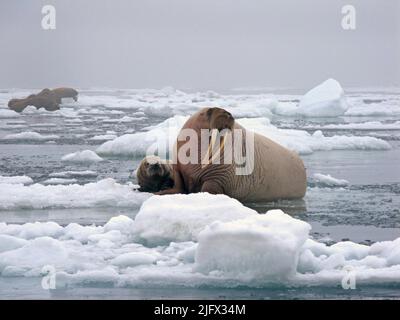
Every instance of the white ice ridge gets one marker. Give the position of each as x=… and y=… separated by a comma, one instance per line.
x=370, y=125
x=82, y=156
x=226, y=247
x=5, y=114
x=15, y=180
x=30, y=136
x=104, y=193
x=162, y=138
x=328, y=180
x=325, y=100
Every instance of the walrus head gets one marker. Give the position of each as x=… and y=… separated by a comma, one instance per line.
x=220, y=119
x=154, y=174
x=18, y=105
x=220, y=123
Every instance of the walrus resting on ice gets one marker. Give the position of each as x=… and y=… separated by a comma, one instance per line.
x=47, y=99
x=154, y=174
x=272, y=173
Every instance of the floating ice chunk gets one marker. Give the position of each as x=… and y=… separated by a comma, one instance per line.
x=132, y=259
x=16, y=180
x=74, y=174
x=121, y=223
x=103, y=137
x=160, y=137
x=384, y=109
x=35, y=255
x=325, y=100
x=30, y=136
x=328, y=180
x=257, y=108
x=80, y=233
x=10, y=243
x=263, y=247
x=82, y=156
x=305, y=143
x=104, y=193
x=5, y=114
x=180, y=217
x=31, y=230
x=371, y=125
x=59, y=181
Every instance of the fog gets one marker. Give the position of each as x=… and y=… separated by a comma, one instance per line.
x=199, y=44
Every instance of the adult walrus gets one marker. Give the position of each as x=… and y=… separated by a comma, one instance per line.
x=277, y=172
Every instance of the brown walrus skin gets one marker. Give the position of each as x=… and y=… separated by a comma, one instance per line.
x=65, y=93
x=278, y=172
x=154, y=174
x=47, y=99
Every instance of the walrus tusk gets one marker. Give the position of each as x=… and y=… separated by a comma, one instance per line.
x=219, y=151
x=210, y=154
x=206, y=159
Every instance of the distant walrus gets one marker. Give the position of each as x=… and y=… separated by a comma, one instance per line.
x=154, y=174
x=47, y=99
x=278, y=173
x=44, y=99
x=65, y=93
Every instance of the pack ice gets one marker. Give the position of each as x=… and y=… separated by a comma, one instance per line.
x=194, y=240
x=162, y=137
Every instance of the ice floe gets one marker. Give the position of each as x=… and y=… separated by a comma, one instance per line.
x=16, y=180
x=59, y=181
x=228, y=247
x=329, y=181
x=5, y=114
x=85, y=156
x=162, y=137
x=104, y=193
x=156, y=227
x=370, y=125
x=74, y=174
x=30, y=136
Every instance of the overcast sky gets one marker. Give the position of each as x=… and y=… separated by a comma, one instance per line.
x=198, y=44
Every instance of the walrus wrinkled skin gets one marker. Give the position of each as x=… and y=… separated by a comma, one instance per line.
x=154, y=174
x=47, y=99
x=65, y=93
x=278, y=173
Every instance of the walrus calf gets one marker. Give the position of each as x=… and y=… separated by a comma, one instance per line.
x=276, y=172
x=154, y=174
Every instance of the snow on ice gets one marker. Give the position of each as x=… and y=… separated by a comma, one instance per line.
x=191, y=246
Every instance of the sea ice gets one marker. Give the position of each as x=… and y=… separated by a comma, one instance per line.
x=30, y=136
x=328, y=180
x=104, y=193
x=82, y=156
x=16, y=180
